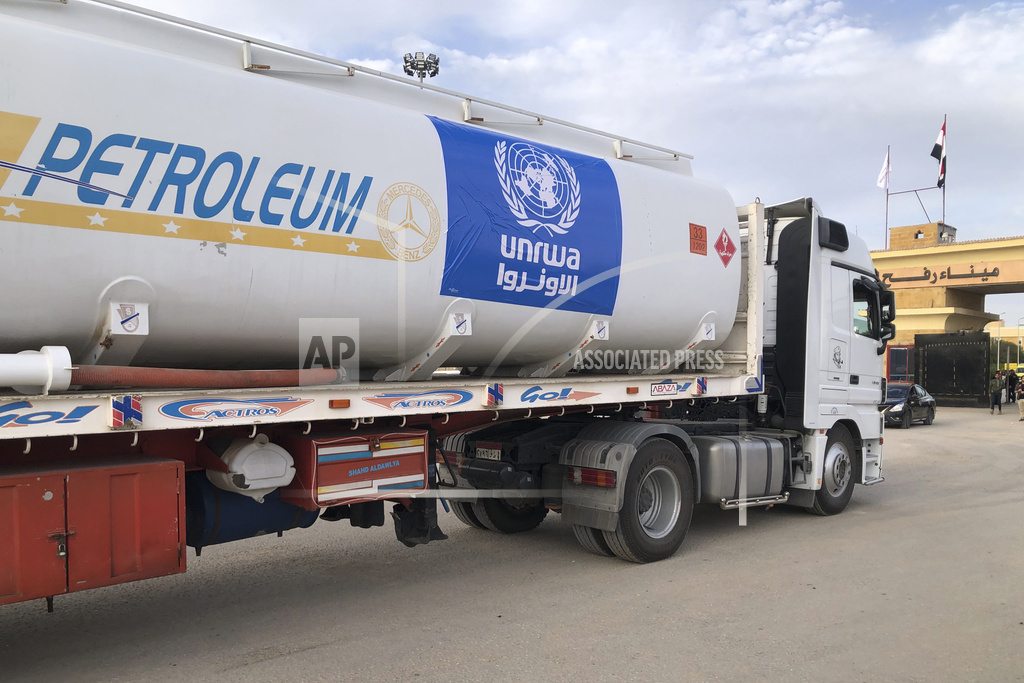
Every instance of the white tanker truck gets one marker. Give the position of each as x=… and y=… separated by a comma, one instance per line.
x=249, y=288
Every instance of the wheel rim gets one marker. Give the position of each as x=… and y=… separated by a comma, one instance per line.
x=659, y=502
x=838, y=469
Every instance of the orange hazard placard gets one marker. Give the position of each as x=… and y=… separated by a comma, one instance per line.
x=698, y=239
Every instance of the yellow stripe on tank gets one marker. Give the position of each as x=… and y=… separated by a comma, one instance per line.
x=30, y=211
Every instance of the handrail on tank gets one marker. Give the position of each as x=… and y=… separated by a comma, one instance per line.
x=617, y=140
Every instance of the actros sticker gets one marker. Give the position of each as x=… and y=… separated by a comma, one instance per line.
x=208, y=410
x=423, y=399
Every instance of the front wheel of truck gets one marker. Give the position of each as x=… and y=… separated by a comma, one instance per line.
x=838, y=477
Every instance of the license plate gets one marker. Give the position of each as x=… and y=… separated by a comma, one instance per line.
x=488, y=453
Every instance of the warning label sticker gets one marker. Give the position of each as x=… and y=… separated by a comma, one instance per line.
x=698, y=239
x=725, y=248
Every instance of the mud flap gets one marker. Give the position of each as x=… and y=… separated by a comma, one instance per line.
x=417, y=524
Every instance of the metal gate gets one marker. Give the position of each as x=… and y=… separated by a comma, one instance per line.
x=954, y=367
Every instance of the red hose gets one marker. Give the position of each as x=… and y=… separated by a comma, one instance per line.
x=108, y=376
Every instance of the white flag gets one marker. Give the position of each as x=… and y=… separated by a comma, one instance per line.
x=883, y=175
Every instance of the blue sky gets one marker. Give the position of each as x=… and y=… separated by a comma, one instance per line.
x=775, y=99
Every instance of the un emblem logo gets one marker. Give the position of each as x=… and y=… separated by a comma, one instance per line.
x=540, y=188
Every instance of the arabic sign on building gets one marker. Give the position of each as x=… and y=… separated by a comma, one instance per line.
x=957, y=275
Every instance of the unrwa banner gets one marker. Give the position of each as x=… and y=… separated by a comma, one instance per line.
x=529, y=224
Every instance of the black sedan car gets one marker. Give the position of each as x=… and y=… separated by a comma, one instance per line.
x=906, y=404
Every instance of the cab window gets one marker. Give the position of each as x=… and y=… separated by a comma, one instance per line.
x=865, y=318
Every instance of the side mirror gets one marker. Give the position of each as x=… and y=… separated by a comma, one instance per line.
x=887, y=301
x=888, y=332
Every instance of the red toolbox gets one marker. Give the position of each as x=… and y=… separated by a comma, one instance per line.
x=71, y=525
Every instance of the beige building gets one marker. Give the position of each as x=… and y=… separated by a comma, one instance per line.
x=940, y=284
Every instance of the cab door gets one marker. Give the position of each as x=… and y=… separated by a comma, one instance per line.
x=835, y=364
x=865, y=343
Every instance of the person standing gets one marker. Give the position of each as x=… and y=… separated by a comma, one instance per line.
x=1020, y=399
x=1012, y=381
x=995, y=390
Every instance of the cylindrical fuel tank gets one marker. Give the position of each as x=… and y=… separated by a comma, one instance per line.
x=237, y=204
x=216, y=516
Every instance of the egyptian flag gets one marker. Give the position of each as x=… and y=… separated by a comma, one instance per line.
x=939, y=152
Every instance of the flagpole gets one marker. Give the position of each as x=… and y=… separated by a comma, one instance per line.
x=943, y=175
x=888, y=178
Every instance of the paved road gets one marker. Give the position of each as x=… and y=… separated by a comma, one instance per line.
x=922, y=578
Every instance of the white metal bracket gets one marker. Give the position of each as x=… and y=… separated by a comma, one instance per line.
x=248, y=65
x=619, y=154
x=124, y=331
x=703, y=337
x=597, y=331
x=247, y=59
x=467, y=116
x=456, y=326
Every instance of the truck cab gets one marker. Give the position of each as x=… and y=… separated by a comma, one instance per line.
x=829, y=319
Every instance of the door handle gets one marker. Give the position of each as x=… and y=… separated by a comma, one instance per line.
x=854, y=379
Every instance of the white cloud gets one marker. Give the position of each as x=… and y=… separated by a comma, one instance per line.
x=774, y=98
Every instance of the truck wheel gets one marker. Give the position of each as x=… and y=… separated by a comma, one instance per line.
x=592, y=540
x=497, y=515
x=907, y=418
x=464, y=511
x=838, y=477
x=930, y=417
x=657, y=506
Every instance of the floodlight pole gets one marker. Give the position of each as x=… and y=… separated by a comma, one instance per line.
x=888, y=178
x=420, y=65
x=999, y=338
x=1018, y=340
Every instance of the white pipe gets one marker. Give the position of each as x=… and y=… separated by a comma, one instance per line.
x=36, y=372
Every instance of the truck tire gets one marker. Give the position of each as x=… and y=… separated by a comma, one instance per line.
x=657, y=505
x=837, y=478
x=592, y=540
x=497, y=515
x=464, y=511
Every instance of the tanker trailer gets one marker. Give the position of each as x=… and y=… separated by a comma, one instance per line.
x=191, y=213
x=180, y=204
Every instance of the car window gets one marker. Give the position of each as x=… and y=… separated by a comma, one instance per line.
x=895, y=392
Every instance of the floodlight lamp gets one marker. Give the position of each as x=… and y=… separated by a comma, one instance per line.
x=421, y=65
